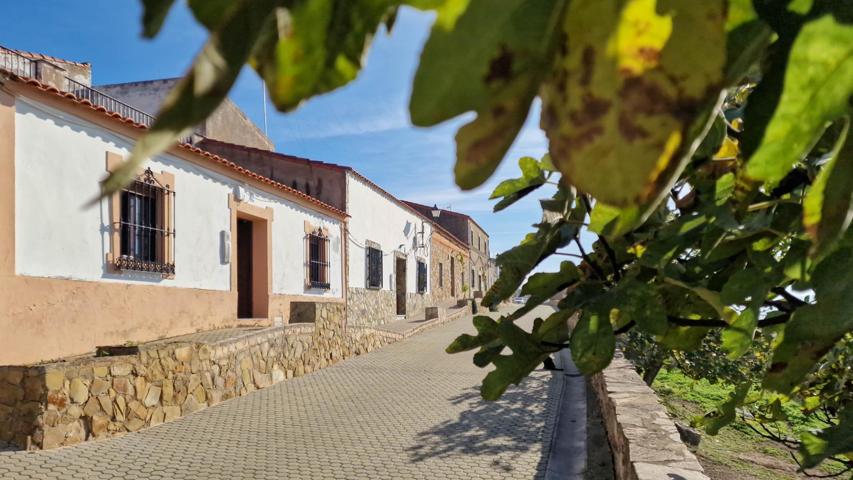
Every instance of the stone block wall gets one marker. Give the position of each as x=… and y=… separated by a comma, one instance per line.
x=442, y=283
x=368, y=307
x=643, y=438
x=64, y=403
x=416, y=304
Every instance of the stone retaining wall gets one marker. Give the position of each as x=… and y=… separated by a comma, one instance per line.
x=64, y=403
x=644, y=440
x=370, y=307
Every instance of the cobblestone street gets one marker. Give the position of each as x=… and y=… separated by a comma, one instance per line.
x=407, y=410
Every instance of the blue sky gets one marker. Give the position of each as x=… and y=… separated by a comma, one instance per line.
x=364, y=124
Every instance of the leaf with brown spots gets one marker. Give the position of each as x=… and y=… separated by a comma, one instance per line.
x=491, y=60
x=629, y=99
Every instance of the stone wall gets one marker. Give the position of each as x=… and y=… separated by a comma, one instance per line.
x=416, y=304
x=442, y=283
x=368, y=307
x=64, y=403
x=645, y=443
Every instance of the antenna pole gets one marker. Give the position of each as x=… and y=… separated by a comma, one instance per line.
x=264, y=90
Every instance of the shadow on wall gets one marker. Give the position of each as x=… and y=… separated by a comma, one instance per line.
x=503, y=429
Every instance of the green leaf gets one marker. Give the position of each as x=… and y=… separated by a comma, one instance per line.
x=213, y=13
x=710, y=297
x=508, y=45
x=517, y=188
x=737, y=337
x=725, y=413
x=518, y=261
x=714, y=139
x=612, y=222
x=828, y=206
x=593, y=342
x=747, y=39
x=636, y=301
x=817, y=86
x=542, y=286
x=745, y=287
x=505, y=42
x=834, y=440
x=526, y=355
x=153, y=15
x=814, y=329
x=487, y=354
x=315, y=46
x=487, y=331
x=200, y=92
x=632, y=93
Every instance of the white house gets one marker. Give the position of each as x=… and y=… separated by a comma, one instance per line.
x=389, y=255
x=195, y=243
x=390, y=264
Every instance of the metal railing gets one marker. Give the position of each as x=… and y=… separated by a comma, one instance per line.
x=15, y=63
x=101, y=99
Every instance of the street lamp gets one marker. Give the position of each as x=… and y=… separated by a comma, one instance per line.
x=435, y=211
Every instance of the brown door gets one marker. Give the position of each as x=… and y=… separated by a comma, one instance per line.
x=400, y=274
x=452, y=277
x=244, y=269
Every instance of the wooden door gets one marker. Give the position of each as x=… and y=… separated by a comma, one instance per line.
x=452, y=277
x=400, y=274
x=244, y=269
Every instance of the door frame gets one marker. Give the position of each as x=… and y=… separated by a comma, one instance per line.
x=261, y=219
x=452, y=276
x=400, y=280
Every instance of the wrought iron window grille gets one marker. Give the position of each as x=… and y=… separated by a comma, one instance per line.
x=422, y=277
x=374, y=267
x=146, y=228
x=318, y=260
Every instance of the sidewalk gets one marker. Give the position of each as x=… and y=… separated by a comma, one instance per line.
x=407, y=410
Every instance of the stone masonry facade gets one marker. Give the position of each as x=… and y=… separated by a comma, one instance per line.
x=443, y=278
x=369, y=307
x=64, y=403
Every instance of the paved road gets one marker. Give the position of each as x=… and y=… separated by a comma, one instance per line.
x=405, y=411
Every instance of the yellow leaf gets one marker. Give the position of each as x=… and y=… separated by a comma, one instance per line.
x=728, y=150
x=631, y=93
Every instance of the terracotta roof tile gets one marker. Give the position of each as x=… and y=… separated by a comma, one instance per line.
x=185, y=146
x=41, y=56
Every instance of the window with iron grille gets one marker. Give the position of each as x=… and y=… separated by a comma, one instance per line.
x=441, y=275
x=318, y=260
x=422, y=277
x=374, y=267
x=146, y=227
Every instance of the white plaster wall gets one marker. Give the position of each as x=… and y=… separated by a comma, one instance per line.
x=59, y=159
x=376, y=218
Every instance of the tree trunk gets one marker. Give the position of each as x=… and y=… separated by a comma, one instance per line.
x=652, y=372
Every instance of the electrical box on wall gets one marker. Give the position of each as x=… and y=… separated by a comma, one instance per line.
x=240, y=193
x=225, y=246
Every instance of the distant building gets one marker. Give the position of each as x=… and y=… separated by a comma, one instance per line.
x=227, y=123
x=466, y=229
x=194, y=243
x=391, y=269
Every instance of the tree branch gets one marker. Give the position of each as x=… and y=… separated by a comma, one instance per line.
x=625, y=328
x=598, y=272
x=611, y=255
x=787, y=296
x=717, y=323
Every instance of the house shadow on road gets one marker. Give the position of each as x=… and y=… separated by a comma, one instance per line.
x=515, y=430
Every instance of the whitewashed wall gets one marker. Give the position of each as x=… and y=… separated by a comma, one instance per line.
x=375, y=217
x=59, y=159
